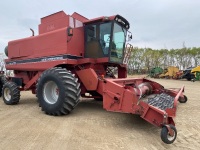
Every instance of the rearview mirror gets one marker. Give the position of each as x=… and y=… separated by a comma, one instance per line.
x=129, y=36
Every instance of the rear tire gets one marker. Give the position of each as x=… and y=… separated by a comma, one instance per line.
x=11, y=93
x=3, y=80
x=1, y=86
x=58, y=91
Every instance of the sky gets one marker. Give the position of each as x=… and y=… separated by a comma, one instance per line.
x=155, y=24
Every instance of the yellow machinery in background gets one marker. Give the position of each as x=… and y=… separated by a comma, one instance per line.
x=196, y=72
x=170, y=72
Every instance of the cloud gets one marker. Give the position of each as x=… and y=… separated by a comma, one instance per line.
x=156, y=24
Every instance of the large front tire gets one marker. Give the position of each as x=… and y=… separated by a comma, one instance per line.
x=58, y=91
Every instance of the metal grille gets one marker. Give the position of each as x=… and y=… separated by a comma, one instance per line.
x=162, y=101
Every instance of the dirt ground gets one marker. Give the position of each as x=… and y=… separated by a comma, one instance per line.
x=90, y=127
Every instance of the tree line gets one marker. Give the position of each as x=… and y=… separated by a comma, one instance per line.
x=143, y=59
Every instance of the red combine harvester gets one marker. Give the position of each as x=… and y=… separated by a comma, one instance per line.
x=72, y=56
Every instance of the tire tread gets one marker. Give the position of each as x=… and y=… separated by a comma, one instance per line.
x=15, y=93
x=71, y=88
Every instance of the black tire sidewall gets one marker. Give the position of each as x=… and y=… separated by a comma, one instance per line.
x=164, y=133
x=7, y=101
x=11, y=101
x=51, y=107
x=183, y=100
x=1, y=88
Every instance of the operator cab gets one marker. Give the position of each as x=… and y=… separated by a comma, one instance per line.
x=106, y=38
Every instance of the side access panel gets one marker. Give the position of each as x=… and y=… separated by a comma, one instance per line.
x=117, y=98
x=89, y=78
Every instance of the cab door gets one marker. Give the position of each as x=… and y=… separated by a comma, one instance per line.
x=97, y=40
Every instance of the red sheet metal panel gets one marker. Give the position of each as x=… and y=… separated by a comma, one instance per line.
x=89, y=78
x=53, y=22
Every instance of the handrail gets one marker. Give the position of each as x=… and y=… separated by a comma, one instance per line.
x=127, y=53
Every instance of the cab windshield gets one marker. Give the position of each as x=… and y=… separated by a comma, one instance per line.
x=117, y=43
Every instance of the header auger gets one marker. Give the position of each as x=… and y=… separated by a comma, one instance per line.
x=72, y=56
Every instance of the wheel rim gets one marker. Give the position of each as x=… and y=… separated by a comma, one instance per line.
x=7, y=94
x=50, y=92
x=171, y=138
